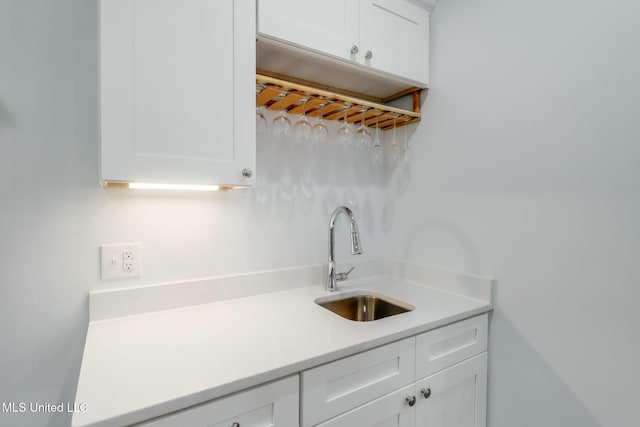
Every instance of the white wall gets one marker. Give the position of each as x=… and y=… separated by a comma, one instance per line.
x=527, y=168
x=54, y=215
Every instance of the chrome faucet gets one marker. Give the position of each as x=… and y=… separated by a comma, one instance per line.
x=331, y=284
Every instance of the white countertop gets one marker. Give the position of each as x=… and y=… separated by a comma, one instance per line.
x=139, y=367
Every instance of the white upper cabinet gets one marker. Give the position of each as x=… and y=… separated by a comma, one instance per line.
x=394, y=37
x=330, y=26
x=391, y=36
x=177, y=91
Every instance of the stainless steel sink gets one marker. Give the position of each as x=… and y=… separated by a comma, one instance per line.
x=364, y=306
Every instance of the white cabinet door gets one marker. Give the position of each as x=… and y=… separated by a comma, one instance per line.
x=394, y=37
x=391, y=410
x=271, y=405
x=457, y=396
x=177, y=91
x=329, y=26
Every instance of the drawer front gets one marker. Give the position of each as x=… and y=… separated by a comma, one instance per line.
x=271, y=405
x=446, y=346
x=337, y=387
x=391, y=410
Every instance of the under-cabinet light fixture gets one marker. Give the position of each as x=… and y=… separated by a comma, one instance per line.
x=188, y=187
x=157, y=186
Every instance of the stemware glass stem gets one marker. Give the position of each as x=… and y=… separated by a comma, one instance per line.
x=377, y=147
x=303, y=127
x=320, y=133
x=363, y=135
x=344, y=131
x=406, y=154
x=395, y=150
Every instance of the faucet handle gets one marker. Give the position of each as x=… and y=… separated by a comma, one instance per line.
x=344, y=276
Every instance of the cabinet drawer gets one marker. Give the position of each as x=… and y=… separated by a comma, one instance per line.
x=271, y=405
x=391, y=410
x=446, y=346
x=336, y=387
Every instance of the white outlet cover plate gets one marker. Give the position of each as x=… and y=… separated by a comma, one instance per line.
x=112, y=261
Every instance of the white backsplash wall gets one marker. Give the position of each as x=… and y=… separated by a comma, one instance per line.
x=54, y=215
x=527, y=168
x=282, y=222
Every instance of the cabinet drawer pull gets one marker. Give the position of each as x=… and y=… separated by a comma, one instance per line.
x=426, y=392
x=354, y=50
x=411, y=400
x=247, y=173
x=235, y=425
x=368, y=55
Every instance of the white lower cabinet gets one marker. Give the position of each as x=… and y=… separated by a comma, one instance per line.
x=445, y=387
x=454, y=397
x=271, y=405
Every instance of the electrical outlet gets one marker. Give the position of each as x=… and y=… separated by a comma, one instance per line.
x=120, y=261
x=127, y=254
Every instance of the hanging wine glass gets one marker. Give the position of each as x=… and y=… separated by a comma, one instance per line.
x=281, y=125
x=395, y=149
x=302, y=129
x=377, y=148
x=261, y=122
x=344, y=131
x=363, y=137
x=319, y=131
x=406, y=152
x=302, y=132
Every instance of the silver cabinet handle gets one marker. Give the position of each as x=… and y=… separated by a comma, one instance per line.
x=354, y=49
x=426, y=392
x=411, y=400
x=247, y=173
x=368, y=55
x=235, y=425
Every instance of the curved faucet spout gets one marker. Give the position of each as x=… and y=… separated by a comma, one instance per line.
x=356, y=249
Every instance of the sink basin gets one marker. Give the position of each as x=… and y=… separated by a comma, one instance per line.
x=364, y=306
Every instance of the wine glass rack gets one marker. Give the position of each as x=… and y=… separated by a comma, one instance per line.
x=274, y=94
